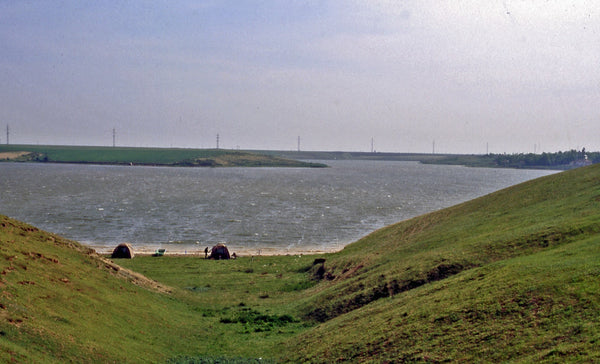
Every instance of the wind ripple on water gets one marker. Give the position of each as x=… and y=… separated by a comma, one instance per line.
x=278, y=209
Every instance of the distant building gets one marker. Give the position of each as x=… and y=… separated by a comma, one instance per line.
x=581, y=162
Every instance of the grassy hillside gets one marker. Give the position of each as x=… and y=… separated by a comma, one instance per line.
x=509, y=277
x=61, y=302
x=145, y=156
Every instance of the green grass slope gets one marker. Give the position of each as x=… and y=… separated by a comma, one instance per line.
x=512, y=276
x=60, y=302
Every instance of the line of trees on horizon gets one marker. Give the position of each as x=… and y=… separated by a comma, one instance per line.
x=569, y=158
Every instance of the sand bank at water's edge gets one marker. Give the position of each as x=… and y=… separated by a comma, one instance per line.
x=239, y=252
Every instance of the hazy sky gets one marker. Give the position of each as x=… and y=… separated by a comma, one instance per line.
x=504, y=76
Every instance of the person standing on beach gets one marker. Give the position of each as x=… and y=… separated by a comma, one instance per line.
x=206, y=253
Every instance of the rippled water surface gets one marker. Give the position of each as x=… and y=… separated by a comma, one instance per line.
x=266, y=210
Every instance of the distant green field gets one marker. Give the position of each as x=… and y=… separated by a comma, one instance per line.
x=512, y=277
x=148, y=156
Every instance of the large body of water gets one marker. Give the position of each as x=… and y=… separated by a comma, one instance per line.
x=255, y=210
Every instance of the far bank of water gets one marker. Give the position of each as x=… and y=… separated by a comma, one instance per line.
x=254, y=210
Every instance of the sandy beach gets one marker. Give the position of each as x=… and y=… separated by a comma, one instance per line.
x=239, y=252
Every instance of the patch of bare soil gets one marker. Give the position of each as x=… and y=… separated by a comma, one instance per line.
x=13, y=155
x=133, y=277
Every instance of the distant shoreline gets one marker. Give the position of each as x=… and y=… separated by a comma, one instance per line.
x=190, y=157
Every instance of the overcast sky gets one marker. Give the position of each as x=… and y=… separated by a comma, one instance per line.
x=473, y=76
